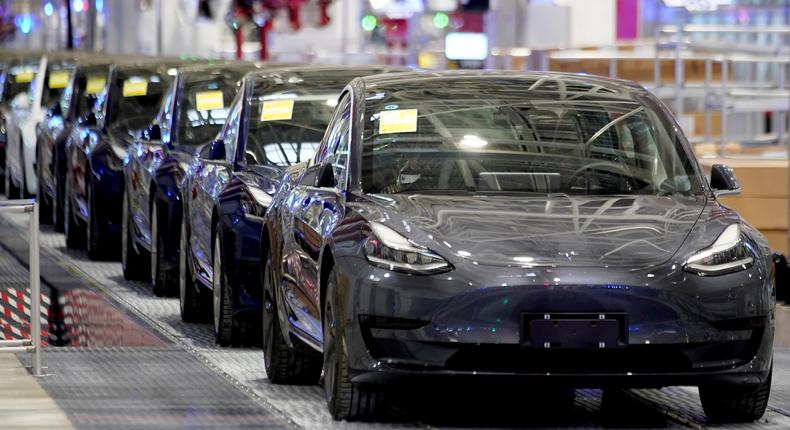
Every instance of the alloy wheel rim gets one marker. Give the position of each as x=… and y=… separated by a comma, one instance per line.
x=88, y=234
x=217, y=290
x=268, y=315
x=154, y=245
x=330, y=352
x=182, y=268
x=124, y=230
x=66, y=212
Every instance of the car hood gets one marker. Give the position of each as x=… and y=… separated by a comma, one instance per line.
x=562, y=230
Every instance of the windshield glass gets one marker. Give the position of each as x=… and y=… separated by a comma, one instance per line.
x=90, y=91
x=204, y=105
x=516, y=135
x=287, y=131
x=57, y=79
x=134, y=97
x=289, y=113
x=19, y=82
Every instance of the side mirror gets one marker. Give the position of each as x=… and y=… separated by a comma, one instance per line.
x=326, y=177
x=217, y=150
x=723, y=181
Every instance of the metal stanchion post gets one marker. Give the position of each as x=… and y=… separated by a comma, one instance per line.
x=35, y=291
x=33, y=343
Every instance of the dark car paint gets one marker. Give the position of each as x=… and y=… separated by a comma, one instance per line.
x=466, y=322
x=54, y=133
x=94, y=159
x=154, y=169
x=213, y=200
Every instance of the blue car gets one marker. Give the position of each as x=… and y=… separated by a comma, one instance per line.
x=277, y=120
x=72, y=107
x=123, y=104
x=191, y=113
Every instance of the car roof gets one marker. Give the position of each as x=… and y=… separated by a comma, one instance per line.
x=543, y=80
x=312, y=71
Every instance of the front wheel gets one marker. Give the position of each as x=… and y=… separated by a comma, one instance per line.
x=73, y=229
x=225, y=328
x=57, y=201
x=284, y=365
x=344, y=399
x=11, y=190
x=190, y=300
x=734, y=403
x=44, y=203
x=98, y=245
x=135, y=266
x=163, y=277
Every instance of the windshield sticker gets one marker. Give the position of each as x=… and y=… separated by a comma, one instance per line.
x=209, y=100
x=95, y=85
x=277, y=110
x=398, y=121
x=24, y=76
x=58, y=79
x=135, y=87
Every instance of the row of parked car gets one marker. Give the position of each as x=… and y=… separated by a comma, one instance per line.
x=376, y=224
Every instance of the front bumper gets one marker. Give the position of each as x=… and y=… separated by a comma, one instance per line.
x=682, y=329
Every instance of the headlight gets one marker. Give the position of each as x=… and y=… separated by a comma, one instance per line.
x=386, y=248
x=727, y=254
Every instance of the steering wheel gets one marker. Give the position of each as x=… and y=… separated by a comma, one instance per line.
x=604, y=166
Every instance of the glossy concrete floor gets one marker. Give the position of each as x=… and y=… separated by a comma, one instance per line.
x=127, y=361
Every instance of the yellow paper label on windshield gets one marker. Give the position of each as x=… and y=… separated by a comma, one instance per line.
x=135, y=88
x=209, y=100
x=277, y=110
x=398, y=121
x=96, y=84
x=24, y=76
x=58, y=79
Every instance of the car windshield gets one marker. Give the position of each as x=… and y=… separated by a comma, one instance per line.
x=134, y=97
x=57, y=79
x=521, y=136
x=19, y=82
x=286, y=128
x=89, y=89
x=204, y=106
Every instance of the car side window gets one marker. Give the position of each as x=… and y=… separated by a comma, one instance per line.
x=230, y=133
x=341, y=138
x=336, y=140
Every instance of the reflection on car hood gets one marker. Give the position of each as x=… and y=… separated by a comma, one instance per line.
x=623, y=231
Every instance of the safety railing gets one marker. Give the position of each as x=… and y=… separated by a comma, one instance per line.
x=33, y=343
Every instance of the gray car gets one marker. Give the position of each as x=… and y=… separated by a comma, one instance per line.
x=518, y=227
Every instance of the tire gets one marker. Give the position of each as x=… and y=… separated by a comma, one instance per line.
x=44, y=206
x=98, y=247
x=11, y=190
x=344, y=399
x=225, y=328
x=57, y=201
x=164, y=279
x=284, y=365
x=735, y=404
x=190, y=300
x=135, y=266
x=74, y=230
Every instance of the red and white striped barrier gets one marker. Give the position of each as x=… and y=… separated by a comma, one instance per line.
x=15, y=314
